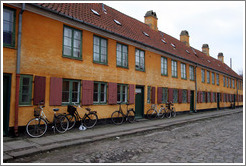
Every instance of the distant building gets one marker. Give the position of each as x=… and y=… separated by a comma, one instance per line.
x=92, y=54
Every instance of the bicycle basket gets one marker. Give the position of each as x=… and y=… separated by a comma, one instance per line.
x=71, y=109
x=37, y=111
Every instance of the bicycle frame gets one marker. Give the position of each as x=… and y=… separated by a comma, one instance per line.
x=155, y=108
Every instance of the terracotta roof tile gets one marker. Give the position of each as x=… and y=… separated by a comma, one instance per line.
x=133, y=29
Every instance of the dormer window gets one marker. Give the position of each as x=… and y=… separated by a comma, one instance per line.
x=173, y=45
x=163, y=41
x=117, y=22
x=209, y=61
x=95, y=12
x=146, y=34
x=187, y=51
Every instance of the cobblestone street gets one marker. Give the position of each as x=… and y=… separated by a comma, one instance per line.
x=215, y=140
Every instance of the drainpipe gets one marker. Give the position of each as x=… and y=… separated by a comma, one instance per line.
x=195, y=89
x=18, y=70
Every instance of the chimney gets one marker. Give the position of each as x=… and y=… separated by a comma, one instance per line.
x=230, y=63
x=184, y=37
x=150, y=19
x=205, y=49
x=221, y=57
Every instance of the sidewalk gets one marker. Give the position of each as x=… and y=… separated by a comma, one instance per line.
x=19, y=147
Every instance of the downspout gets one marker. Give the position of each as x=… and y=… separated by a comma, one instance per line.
x=18, y=69
x=195, y=89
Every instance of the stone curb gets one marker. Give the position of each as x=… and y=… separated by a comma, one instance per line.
x=17, y=153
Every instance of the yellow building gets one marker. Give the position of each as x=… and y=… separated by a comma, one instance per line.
x=93, y=55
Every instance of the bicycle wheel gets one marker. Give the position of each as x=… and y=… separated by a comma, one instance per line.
x=151, y=113
x=117, y=117
x=168, y=113
x=131, y=116
x=173, y=112
x=36, y=127
x=90, y=120
x=61, y=123
x=72, y=120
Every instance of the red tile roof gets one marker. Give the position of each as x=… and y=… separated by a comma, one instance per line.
x=133, y=29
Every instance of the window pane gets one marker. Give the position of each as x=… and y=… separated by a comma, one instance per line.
x=76, y=52
x=67, y=32
x=25, y=81
x=103, y=51
x=77, y=35
x=103, y=43
x=67, y=50
x=67, y=41
x=96, y=40
x=76, y=43
x=65, y=91
x=25, y=98
x=103, y=58
x=96, y=57
x=96, y=49
x=25, y=89
x=118, y=47
x=95, y=95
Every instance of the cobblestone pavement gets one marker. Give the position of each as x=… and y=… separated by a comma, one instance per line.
x=215, y=140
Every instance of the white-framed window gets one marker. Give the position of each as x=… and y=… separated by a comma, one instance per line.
x=122, y=55
x=163, y=66
x=212, y=78
x=183, y=71
x=217, y=79
x=191, y=69
x=122, y=93
x=174, y=69
x=208, y=77
x=203, y=75
x=70, y=91
x=100, y=93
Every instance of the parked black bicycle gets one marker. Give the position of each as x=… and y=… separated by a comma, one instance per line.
x=89, y=119
x=118, y=116
x=37, y=126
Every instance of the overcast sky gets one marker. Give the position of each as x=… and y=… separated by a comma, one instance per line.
x=220, y=24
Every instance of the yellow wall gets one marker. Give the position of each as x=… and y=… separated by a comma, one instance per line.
x=41, y=55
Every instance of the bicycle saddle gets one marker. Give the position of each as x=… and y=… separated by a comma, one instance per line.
x=88, y=109
x=55, y=109
x=127, y=104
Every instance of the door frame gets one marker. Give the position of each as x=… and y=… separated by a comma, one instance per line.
x=6, y=128
x=142, y=89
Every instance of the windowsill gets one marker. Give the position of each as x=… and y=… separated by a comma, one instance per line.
x=100, y=103
x=164, y=75
x=122, y=67
x=192, y=80
x=25, y=105
x=184, y=78
x=174, y=76
x=100, y=63
x=8, y=46
x=69, y=57
x=140, y=70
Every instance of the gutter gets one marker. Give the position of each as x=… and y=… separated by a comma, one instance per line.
x=94, y=26
x=195, y=89
x=18, y=70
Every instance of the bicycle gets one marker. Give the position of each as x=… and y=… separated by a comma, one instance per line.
x=37, y=126
x=170, y=109
x=118, y=116
x=153, y=113
x=89, y=119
